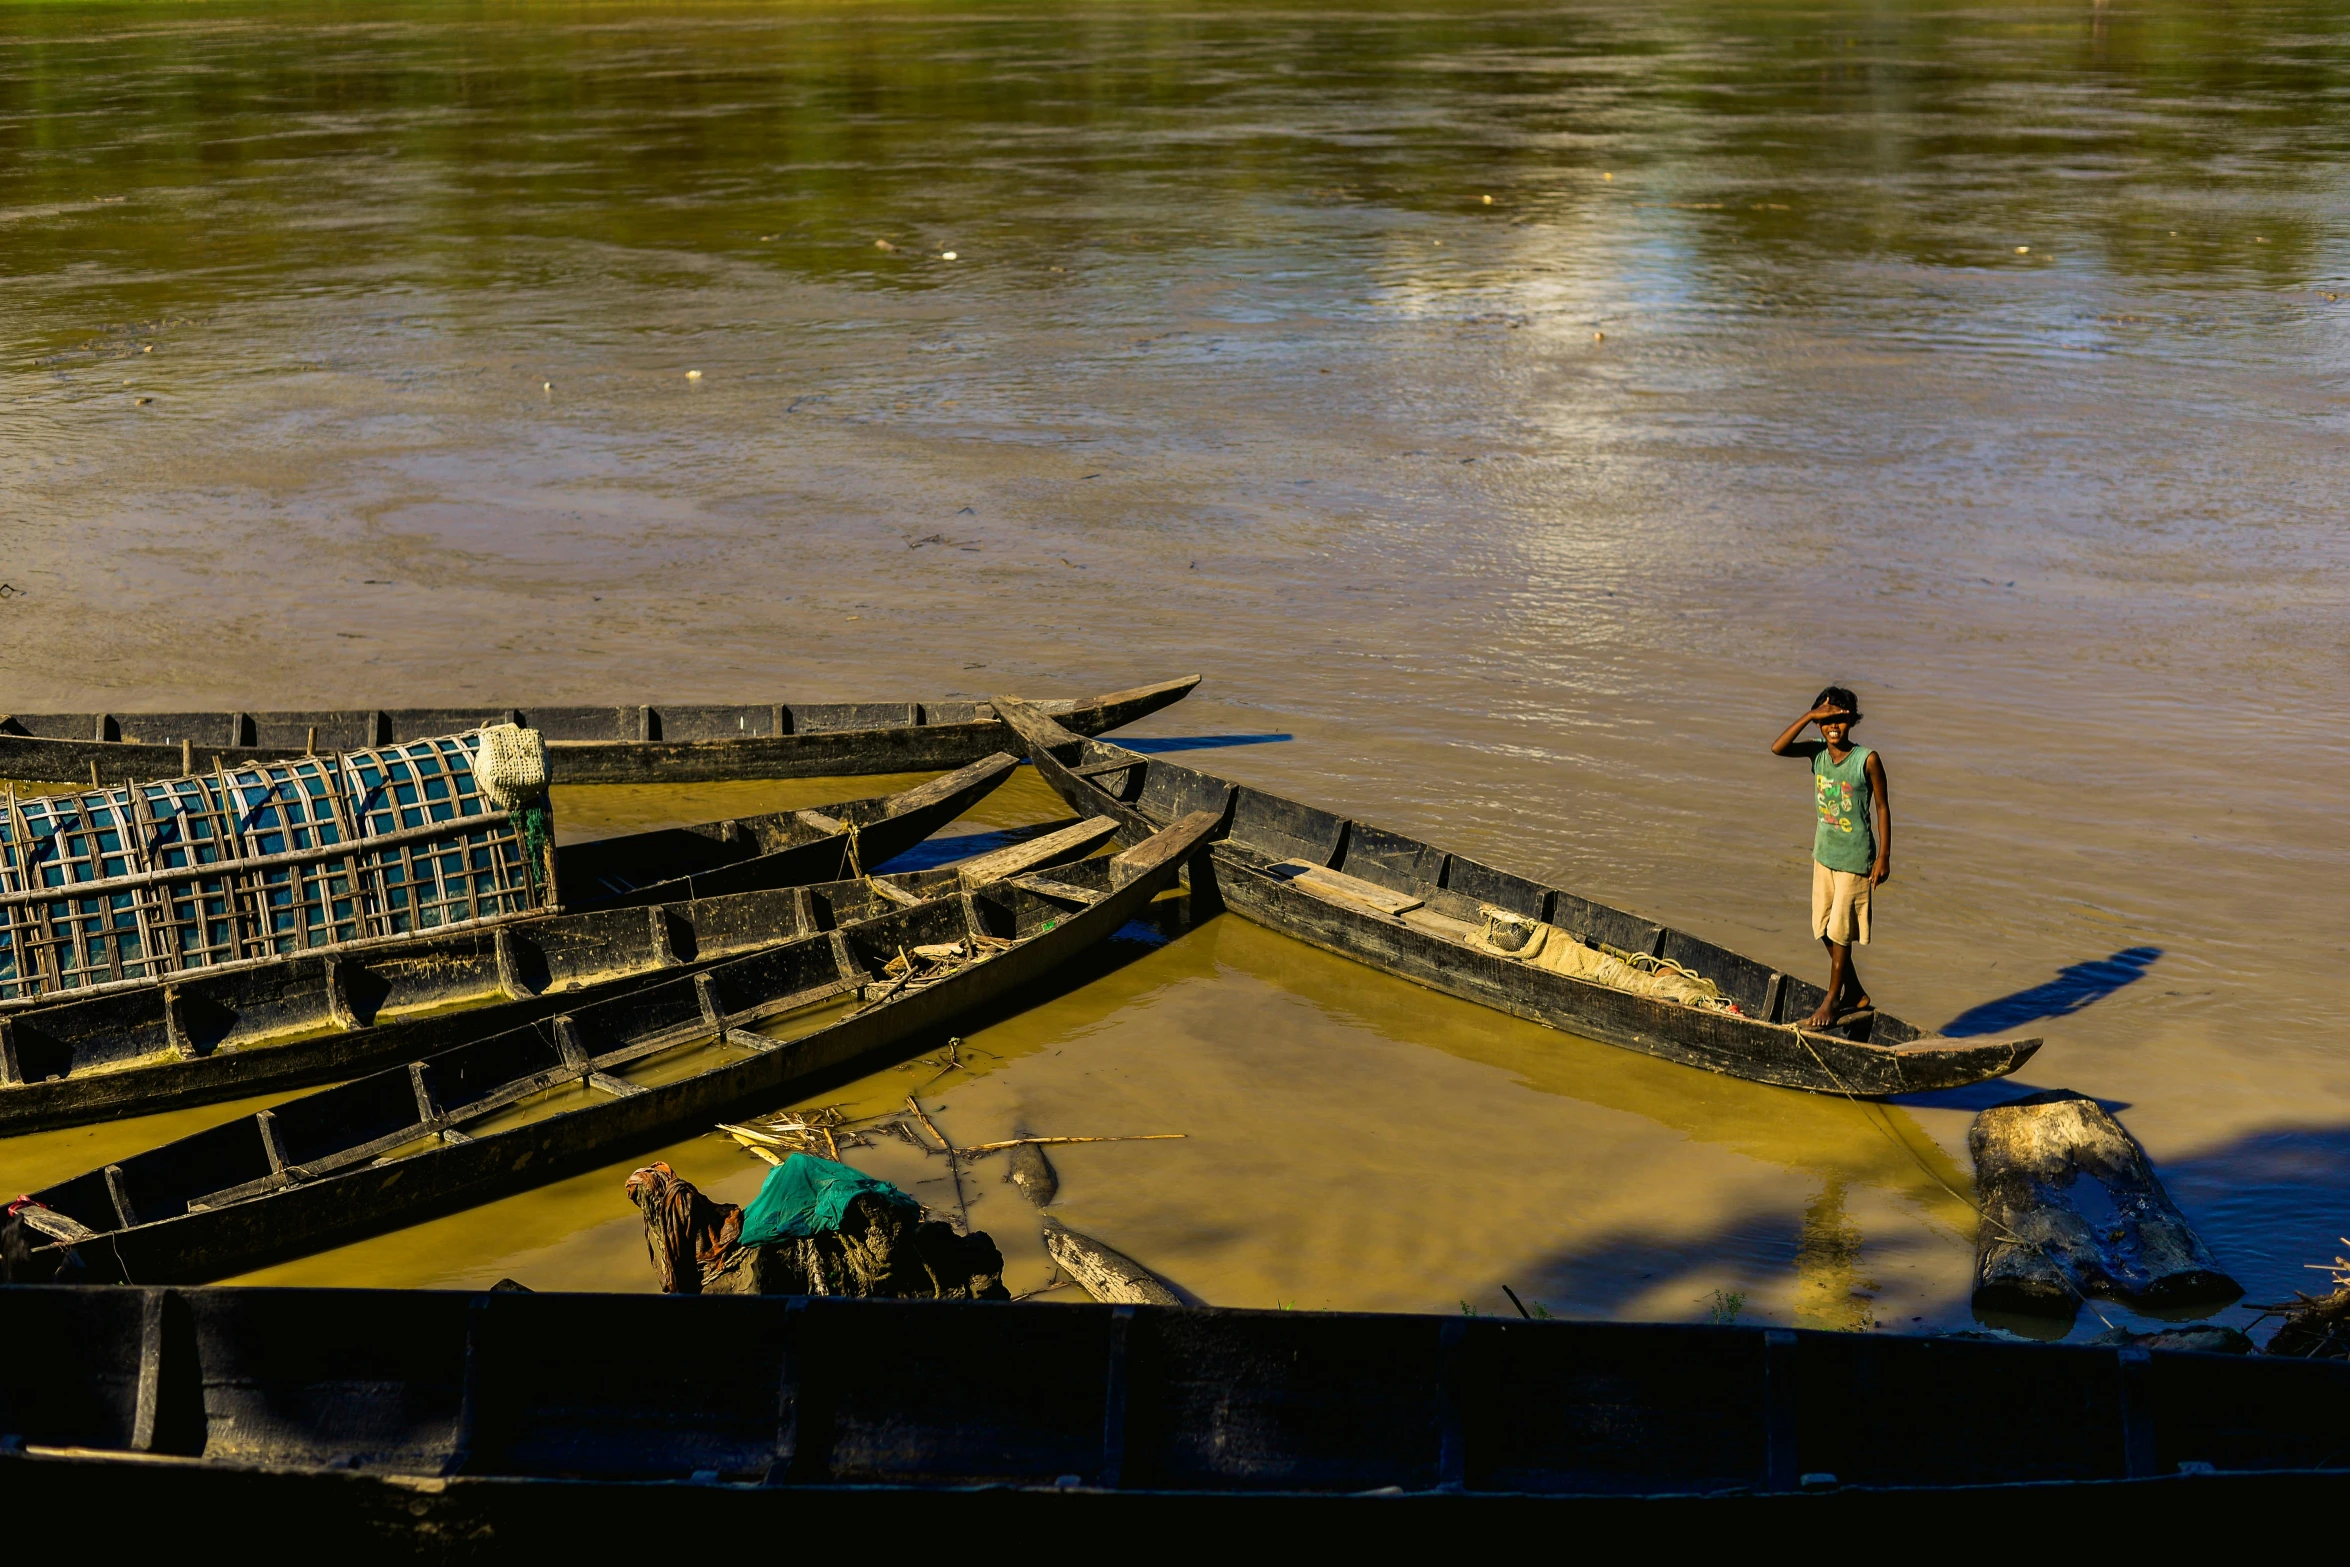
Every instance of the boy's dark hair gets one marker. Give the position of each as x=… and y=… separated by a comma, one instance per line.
x=1841, y=696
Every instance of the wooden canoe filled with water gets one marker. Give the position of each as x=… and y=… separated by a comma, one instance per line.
x=447, y=1415
x=1415, y=911
x=533, y=1104
x=129, y=887
x=262, y=1028
x=673, y=743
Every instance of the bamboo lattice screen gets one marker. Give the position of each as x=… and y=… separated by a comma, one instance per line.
x=142, y=881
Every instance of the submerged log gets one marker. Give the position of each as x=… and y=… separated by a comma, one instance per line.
x=1109, y=1276
x=2071, y=1207
x=1033, y=1174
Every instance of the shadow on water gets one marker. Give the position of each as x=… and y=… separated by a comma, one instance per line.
x=1721, y=1274
x=2074, y=987
x=2269, y=1205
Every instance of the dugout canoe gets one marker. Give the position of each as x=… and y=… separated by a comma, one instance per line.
x=258, y=1029
x=1411, y=909
x=537, y=1103
x=672, y=743
x=105, y=927
x=441, y=1417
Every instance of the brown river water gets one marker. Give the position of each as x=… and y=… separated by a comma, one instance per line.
x=1986, y=359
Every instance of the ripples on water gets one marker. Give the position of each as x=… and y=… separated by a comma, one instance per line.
x=1981, y=358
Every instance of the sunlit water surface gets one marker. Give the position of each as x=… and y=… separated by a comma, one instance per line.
x=1986, y=359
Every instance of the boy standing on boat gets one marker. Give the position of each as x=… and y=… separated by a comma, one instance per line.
x=1852, y=844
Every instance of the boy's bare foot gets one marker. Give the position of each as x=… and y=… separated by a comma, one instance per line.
x=1821, y=1018
x=1861, y=1003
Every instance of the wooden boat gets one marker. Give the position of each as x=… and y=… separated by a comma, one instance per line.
x=262, y=1028
x=1415, y=911
x=533, y=1104
x=87, y=913
x=691, y=743
x=441, y=1417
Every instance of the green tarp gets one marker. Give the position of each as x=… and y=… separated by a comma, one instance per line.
x=805, y=1196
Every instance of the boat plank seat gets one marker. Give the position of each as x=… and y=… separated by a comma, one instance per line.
x=1328, y=883
x=1045, y=886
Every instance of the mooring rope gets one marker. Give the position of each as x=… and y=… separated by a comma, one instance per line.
x=1885, y=1125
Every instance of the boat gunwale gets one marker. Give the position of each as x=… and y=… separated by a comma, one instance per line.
x=797, y=753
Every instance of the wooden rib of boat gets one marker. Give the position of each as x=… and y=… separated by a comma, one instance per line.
x=99, y=937
x=693, y=743
x=224, y=1035
x=533, y=1104
x=452, y=1415
x=1413, y=910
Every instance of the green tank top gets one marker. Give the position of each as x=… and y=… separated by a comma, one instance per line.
x=1846, y=839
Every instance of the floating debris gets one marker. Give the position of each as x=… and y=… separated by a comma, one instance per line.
x=2316, y=1327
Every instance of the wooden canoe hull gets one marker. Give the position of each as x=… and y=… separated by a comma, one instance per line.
x=374, y=1517
x=339, y=1017
x=311, y=1214
x=1710, y=1041
x=630, y=870
x=692, y=744
x=772, y=1396
x=1884, y=1057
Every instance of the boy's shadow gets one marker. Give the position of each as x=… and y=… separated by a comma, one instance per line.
x=2074, y=987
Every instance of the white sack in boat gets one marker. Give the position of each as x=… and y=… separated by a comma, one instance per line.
x=1541, y=946
x=511, y=765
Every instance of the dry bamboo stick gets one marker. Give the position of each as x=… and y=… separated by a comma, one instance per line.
x=954, y=1165
x=1014, y=1142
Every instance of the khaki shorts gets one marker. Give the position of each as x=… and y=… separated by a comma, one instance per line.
x=1839, y=906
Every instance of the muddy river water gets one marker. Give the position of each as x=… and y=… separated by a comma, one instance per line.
x=1516, y=412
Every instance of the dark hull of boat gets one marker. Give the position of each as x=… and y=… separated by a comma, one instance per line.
x=1711, y=1041
x=691, y=744
x=760, y=1399
x=406, y=1518
x=321, y=1198
x=743, y=854
x=212, y=1040
x=1882, y=1057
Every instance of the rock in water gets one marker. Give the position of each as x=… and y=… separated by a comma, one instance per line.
x=1034, y=1174
x=1111, y=1277
x=2067, y=1193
